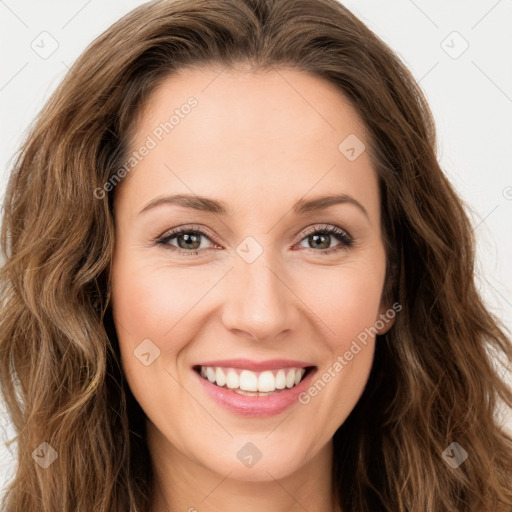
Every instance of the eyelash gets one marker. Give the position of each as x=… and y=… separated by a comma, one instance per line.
x=342, y=235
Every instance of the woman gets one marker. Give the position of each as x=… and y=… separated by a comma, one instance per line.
x=172, y=336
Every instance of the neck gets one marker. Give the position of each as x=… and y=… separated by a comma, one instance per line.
x=181, y=484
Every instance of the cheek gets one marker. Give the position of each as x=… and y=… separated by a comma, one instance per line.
x=147, y=303
x=153, y=301
x=149, y=298
x=346, y=301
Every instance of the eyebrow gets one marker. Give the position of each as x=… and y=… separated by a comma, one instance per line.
x=206, y=204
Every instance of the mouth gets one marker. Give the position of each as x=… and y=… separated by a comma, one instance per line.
x=253, y=383
x=254, y=389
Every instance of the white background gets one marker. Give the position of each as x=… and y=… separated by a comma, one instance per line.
x=470, y=96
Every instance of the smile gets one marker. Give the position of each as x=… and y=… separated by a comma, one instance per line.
x=247, y=382
x=254, y=389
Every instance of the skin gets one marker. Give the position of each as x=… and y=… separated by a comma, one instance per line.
x=258, y=142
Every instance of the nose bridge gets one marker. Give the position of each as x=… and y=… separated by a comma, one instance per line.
x=258, y=302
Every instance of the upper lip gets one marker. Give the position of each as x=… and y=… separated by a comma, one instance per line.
x=248, y=364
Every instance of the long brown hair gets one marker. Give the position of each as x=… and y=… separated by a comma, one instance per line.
x=434, y=380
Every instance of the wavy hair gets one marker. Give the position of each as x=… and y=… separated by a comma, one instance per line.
x=434, y=379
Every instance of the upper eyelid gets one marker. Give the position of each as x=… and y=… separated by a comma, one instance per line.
x=323, y=227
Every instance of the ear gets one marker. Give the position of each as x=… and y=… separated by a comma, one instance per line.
x=386, y=318
x=387, y=309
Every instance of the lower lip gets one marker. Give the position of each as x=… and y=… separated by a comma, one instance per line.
x=255, y=405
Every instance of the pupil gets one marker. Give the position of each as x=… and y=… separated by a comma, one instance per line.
x=189, y=237
x=315, y=238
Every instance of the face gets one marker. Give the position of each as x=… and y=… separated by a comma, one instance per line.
x=266, y=286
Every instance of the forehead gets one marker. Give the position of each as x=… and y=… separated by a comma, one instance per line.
x=252, y=103
x=250, y=136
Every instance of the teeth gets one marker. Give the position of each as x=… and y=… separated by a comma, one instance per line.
x=266, y=382
x=210, y=374
x=232, y=380
x=248, y=381
x=290, y=378
x=280, y=380
x=220, y=378
x=252, y=383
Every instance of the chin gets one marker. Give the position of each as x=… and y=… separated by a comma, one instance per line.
x=259, y=457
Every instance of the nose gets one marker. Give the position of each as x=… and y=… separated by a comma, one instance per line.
x=259, y=301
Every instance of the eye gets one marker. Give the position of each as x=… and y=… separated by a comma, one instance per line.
x=189, y=240
x=321, y=238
